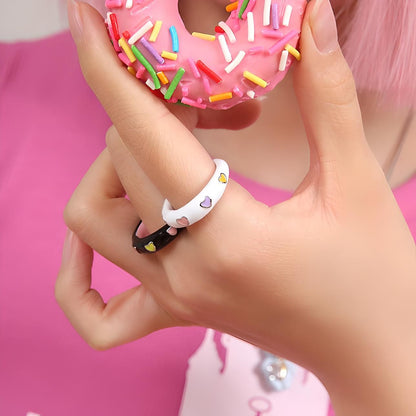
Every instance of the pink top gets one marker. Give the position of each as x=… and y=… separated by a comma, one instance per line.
x=51, y=129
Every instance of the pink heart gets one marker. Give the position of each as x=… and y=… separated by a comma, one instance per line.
x=172, y=231
x=184, y=222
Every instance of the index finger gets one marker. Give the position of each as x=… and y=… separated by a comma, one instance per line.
x=166, y=150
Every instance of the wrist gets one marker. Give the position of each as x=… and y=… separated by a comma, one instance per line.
x=373, y=375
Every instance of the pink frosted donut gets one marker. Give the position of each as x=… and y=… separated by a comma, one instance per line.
x=245, y=58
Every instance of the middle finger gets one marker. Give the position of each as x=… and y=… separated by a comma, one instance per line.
x=167, y=151
x=144, y=196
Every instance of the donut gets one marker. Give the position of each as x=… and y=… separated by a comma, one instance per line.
x=244, y=57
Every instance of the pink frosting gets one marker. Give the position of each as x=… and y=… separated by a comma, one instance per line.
x=262, y=57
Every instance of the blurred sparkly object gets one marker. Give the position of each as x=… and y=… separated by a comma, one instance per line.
x=276, y=373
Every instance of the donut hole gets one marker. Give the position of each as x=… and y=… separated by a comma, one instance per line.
x=202, y=15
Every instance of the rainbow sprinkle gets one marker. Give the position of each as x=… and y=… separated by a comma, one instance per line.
x=283, y=60
x=124, y=45
x=169, y=55
x=249, y=8
x=266, y=12
x=232, y=6
x=294, y=52
x=174, y=83
x=141, y=32
x=242, y=8
x=220, y=97
x=155, y=31
x=237, y=60
x=114, y=26
x=203, y=36
x=228, y=31
x=152, y=51
x=147, y=65
x=254, y=78
x=287, y=15
x=275, y=16
x=162, y=77
x=167, y=67
x=194, y=68
x=250, y=25
x=175, y=40
x=208, y=71
x=194, y=103
x=224, y=48
x=281, y=43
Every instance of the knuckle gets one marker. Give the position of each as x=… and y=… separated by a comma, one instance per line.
x=229, y=251
x=60, y=293
x=98, y=344
x=228, y=261
x=339, y=85
x=77, y=215
x=192, y=290
x=99, y=339
x=111, y=135
x=185, y=292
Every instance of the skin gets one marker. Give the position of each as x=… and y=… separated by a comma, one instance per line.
x=326, y=279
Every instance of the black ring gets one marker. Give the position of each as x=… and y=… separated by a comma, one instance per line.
x=155, y=241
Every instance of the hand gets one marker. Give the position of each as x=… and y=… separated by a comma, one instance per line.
x=326, y=279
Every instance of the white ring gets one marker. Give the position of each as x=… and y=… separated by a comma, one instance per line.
x=202, y=204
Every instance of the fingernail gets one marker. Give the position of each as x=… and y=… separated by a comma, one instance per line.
x=67, y=249
x=75, y=20
x=324, y=26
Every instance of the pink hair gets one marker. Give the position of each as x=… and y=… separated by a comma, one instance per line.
x=378, y=39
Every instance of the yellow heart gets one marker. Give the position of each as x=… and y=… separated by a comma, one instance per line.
x=222, y=178
x=150, y=247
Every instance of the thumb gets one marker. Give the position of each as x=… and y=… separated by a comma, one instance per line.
x=325, y=89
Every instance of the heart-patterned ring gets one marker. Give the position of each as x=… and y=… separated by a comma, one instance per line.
x=202, y=204
x=155, y=241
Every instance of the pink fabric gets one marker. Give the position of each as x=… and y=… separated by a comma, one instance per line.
x=51, y=129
